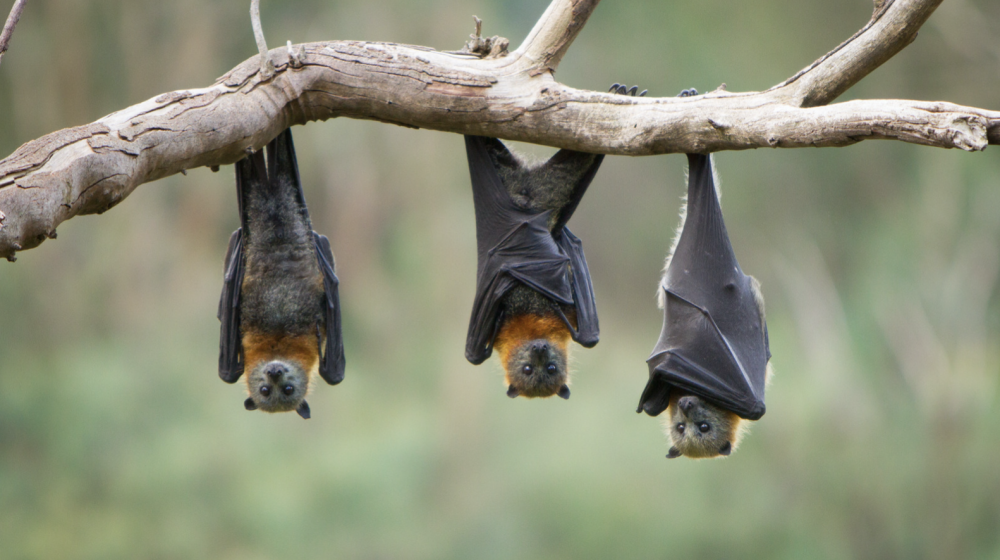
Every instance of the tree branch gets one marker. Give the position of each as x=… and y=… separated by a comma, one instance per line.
x=89, y=169
x=8, y=28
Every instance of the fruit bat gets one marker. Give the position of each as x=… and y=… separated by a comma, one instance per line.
x=533, y=289
x=713, y=345
x=280, y=307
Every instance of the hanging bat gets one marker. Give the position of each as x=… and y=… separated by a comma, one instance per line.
x=280, y=307
x=533, y=289
x=711, y=363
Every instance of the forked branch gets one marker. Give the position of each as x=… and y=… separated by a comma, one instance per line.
x=89, y=169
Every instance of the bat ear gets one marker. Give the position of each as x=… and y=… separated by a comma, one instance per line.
x=564, y=392
x=512, y=392
x=249, y=404
x=303, y=410
x=673, y=453
x=726, y=449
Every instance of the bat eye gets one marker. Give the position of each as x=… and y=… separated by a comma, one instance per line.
x=551, y=368
x=680, y=428
x=704, y=427
x=265, y=390
x=526, y=370
x=288, y=390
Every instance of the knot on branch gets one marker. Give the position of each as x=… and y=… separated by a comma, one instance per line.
x=485, y=47
x=880, y=7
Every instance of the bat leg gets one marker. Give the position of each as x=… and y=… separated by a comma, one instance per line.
x=688, y=93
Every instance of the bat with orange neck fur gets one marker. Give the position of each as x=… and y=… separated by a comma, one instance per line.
x=280, y=306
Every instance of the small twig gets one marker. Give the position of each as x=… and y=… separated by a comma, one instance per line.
x=295, y=56
x=266, y=66
x=8, y=28
x=490, y=47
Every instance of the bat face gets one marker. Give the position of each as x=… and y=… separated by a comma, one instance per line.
x=700, y=430
x=534, y=350
x=280, y=368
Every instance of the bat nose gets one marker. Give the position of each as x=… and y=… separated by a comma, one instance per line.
x=275, y=370
x=540, y=347
x=686, y=404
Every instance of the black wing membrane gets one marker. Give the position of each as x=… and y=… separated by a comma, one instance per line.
x=714, y=339
x=331, y=366
x=248, y=170
x=516, y=246
x=230, y=344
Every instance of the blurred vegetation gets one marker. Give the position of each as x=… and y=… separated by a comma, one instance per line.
x=879, y=263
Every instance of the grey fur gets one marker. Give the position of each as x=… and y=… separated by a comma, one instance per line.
x=282, y=285
x=542, y=186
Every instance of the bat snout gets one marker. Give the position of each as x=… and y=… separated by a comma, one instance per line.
x=540, y=348
x=275, y=370
x=687, y=403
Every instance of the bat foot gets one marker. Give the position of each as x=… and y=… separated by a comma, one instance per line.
x=622, y=89
x=691, y=92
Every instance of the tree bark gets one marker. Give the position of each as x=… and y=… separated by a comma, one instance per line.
x=88, y=169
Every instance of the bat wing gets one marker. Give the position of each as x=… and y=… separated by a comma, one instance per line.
x=331, y=366
x=570, y=158
x=527, y=256
x=714, y=342
x=587, y=331
x=516, y=246
x=250, y=172
x=230, y=343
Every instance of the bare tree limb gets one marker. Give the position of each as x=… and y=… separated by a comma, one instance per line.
x=89, y=169
x=893, y=26
x=8, y=28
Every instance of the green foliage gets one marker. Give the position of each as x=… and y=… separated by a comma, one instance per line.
x=879, y=264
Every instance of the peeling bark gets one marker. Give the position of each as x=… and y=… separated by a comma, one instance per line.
x=89, y=169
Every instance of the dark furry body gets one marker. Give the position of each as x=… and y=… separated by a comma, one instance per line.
x=280, y=306
x=282, y=287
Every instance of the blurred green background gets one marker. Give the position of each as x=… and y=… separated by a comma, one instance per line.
x=879, y=263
